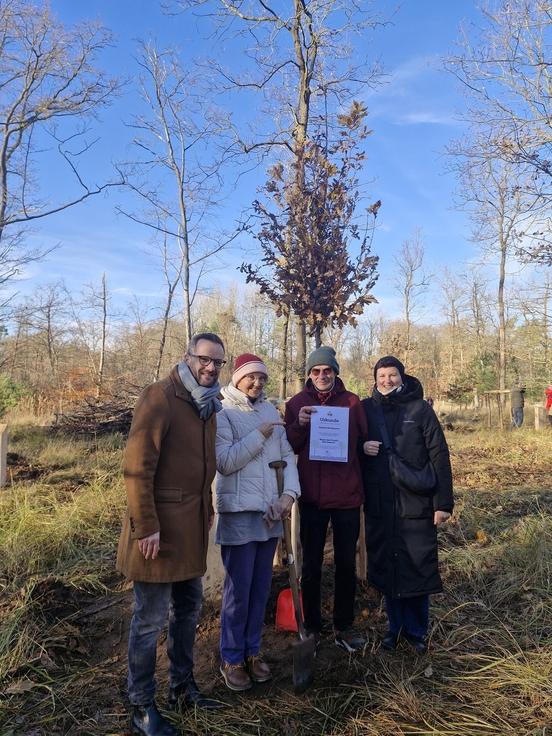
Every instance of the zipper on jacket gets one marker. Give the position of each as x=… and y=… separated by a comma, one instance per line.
x=204, y=479
x=396, y=593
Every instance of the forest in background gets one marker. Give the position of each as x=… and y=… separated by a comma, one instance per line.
x=309, y=240
x=55, y=356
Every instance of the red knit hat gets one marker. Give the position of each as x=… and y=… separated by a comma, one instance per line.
x=247, y=363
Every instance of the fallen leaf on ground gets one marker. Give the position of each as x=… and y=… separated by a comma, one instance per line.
x=20, y=686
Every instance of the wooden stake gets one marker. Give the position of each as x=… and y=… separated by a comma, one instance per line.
x=540, y=417
x=3, y=453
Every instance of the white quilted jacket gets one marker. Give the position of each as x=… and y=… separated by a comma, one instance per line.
x=245, y=482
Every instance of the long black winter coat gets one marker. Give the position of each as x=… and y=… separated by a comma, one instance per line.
x=401, y=538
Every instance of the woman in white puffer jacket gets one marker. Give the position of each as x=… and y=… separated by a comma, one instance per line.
x=250, y=435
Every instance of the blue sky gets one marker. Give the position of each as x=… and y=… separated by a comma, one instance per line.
x=413, y=115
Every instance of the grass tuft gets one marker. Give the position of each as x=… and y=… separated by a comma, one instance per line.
x=488, y=673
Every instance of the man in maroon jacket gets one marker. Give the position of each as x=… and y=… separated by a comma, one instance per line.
x=330, y=491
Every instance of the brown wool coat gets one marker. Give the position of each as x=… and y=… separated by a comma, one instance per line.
x=168, y=468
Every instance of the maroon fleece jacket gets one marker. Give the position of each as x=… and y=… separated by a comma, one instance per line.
x=328, y=485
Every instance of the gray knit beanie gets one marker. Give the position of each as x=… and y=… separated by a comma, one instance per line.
x=323, y=355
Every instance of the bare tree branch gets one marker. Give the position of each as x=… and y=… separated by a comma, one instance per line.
x=47, y=78
x=183, y=136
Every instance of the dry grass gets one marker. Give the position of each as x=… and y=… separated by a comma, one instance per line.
x=53, y=534
x=489, y=670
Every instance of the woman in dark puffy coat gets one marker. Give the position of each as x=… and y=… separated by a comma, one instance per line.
x=401, y=526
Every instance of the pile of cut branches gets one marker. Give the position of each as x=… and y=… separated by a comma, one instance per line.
x=96, y=417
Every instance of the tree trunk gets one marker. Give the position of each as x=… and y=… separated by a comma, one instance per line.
x=407, y=319
x=476, y=311
x=101, y=365
x=164, y=329
x=305, y=63
x=300, y=355
x=15, y=352
x=284, y=357
x=317, y=336
x=186, y=290
x=501, y=320
x=545, y=326
x=52, y=358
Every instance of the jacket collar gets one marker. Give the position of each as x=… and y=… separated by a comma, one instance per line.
x=236, y=397
x=179, y=390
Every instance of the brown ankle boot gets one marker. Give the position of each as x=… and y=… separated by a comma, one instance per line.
x=258, y=669
x=235, y=676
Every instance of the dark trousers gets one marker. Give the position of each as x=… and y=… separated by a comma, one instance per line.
x=517, y=416
x=345, y=527
x=153, y=603
x=408, y=615
x=246, y=589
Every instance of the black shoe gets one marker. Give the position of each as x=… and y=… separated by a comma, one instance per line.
x=418, y=643
x=389, y=641
x=146, y=720
x=187, y=695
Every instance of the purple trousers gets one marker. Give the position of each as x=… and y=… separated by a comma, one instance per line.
x=246, y=589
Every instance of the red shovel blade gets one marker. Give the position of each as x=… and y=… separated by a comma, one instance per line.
x=285, y=614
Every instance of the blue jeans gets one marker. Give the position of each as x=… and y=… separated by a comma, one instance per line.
x=246, y=589
x=409, y=615
x=517, y=416
x=153, y=602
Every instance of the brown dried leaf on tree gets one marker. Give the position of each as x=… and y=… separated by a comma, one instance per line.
x=307, y=264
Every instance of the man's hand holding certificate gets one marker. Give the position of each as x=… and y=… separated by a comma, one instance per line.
x=329, y=434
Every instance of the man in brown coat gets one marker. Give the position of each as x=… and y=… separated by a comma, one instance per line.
x=169, y=466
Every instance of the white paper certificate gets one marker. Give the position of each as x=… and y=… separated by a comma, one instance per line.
x=329, y=434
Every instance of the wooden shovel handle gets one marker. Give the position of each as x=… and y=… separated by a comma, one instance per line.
x=293, y=581
x=279, y=466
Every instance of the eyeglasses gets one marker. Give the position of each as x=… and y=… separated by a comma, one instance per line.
x=323, y=371
x=251, y=379
x=205, y=360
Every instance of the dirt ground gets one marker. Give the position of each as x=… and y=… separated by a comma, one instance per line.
x=86, y=658
x=76, y=686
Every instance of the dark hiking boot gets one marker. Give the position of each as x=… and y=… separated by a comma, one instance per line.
x=390, y=641
x=188, y=695
x=146, y=720
x=418, y=643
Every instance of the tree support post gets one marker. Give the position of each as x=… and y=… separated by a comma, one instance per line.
x=3, y=454
x=540, y=417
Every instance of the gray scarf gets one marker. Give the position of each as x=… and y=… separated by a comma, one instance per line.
x=204, y=397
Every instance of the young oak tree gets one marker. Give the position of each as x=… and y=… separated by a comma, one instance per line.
x=299, y=61
x=307, y=234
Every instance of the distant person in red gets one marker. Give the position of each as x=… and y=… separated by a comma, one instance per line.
x=548, y=393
